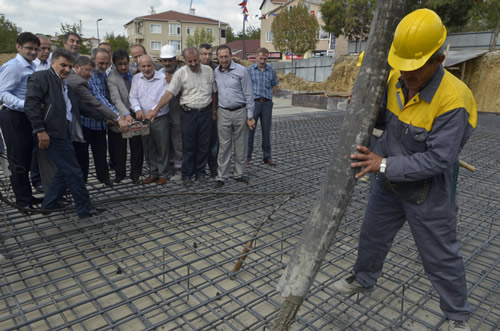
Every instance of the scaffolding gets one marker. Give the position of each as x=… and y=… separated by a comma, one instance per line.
x=160, y=257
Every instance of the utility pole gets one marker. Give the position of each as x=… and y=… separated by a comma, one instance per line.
x=244, y=56
x=324, y=221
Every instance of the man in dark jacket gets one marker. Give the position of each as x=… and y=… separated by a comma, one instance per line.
x=53, y=111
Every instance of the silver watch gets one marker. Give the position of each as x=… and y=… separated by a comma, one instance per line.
x=383, y=166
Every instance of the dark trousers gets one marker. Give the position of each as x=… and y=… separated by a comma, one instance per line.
x=120, y=150
x=97, y=141
x=213, y=150
x=68, y=175
x=263, y=112
x=36, y=179
x=18, y=136
x=196, y=129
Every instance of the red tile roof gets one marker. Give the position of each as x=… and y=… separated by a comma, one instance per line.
x=251, y=46
x=172, y=15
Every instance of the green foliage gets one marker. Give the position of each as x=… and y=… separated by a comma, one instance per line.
x=116, y=42
x=8, y=35
x=351, y=18
x=75, y=28
x=484, y=15
x=251, y=33
x=454, y=13
x=295, y=30
x=200, y=36
x=230, y=34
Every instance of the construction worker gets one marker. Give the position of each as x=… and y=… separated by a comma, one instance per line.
x=427, y=116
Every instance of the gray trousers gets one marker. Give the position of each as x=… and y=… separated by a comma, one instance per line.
x=175, y=151
x=232, y=127
x=433, y=225
x=156, y=146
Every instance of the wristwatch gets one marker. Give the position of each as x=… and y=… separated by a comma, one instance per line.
x=383, y=166
x=249, y=119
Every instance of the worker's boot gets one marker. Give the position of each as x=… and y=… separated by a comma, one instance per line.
x=350, y=285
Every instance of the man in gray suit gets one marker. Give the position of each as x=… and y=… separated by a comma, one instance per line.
x=78, y=81
x=119, y=82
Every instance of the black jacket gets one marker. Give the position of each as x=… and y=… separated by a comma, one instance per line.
x=45, y=88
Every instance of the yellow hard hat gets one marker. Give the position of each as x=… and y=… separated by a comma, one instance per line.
x=360, y=59
x=417, y=37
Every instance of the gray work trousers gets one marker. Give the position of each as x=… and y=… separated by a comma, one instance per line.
x=232, y=129
x=156, y=146
x=433, y=225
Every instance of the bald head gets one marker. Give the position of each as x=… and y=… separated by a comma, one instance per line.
x=44, y=53
x=146, y=66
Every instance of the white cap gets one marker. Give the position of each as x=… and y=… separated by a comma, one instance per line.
x=168, y=52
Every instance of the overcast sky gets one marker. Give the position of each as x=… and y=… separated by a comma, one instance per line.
x=46, y=16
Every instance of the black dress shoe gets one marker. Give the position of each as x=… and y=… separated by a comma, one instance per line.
x=108, y=183
x=38, y=188
x=36, y=201
x=187, y=181
x=94, y=212
x=270, y=162
x=242, y=179
x=58, y=205
x=219, y=184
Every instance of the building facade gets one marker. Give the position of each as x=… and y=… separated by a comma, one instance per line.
x=327, y=45
x=171, y=27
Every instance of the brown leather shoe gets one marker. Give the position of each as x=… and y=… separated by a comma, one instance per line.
x=149, y=180
x=270, y=162
x=161, y=181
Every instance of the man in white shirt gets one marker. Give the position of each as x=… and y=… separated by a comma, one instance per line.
x=42, y=61
x=148, y=86
x=197, y=84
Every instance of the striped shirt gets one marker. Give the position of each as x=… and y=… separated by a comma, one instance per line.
x=14, y=82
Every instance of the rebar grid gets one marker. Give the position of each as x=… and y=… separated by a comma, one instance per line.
x=162, y=258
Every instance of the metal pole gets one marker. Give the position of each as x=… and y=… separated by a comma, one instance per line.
x=244, y=56
x=97, y=23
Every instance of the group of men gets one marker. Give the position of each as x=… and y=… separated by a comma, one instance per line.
x=57, y=105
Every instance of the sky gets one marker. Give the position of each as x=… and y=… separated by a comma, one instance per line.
x=46, y=16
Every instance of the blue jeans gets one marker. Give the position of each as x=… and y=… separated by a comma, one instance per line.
x=196, y=129
x=68, y=175
x=264, y=112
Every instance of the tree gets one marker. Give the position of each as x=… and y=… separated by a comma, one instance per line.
x=485, y=15
x=295, y=30
x=351, y=18
x=75, y=28
x=200, y=36
x=454, y=13
x=230, y=35
x=117, y=42
x=251, y=33
x=8, y=35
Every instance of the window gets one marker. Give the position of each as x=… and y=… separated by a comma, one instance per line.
x=174, y=29
x=190, y=30
x=155, y=45
x=322, y=34
x=210, y=31
x=155, y=28
x=177, y=44
x=269, y=36
x=223, y=33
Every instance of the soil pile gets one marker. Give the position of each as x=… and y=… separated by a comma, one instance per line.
x=482, y=75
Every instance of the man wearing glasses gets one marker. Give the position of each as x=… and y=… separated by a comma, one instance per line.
x=15, y=125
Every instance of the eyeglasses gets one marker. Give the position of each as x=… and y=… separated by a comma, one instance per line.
x=31, y=49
